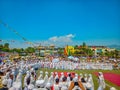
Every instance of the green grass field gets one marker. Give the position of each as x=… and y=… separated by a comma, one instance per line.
x=87, y=72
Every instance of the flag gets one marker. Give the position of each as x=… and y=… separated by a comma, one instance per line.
x=65, y=52
x=69, y=52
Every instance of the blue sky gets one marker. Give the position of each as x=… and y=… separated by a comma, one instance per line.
x=61, y=22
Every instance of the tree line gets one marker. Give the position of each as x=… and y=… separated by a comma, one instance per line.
x=80, y=51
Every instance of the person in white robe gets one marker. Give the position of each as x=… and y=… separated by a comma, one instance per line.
x=69, y=82
x=32, y=79
x=76, y=75
x=48, y=86
x=30, y=87
x=40, y=76
x=7, y=75
x=56, y=76
x=101, y=82
x=17, y=84
x=90, y=83
x=64, y=83
x=85, y=77
x=13, y=73
x=27, y=79
x=56, y=84
x=68, y=77
x=46, y=78
x=33, y=76
x=9, y=84
x=40, y=84
x=61, y=77
x=19, y=76
x=51, y=78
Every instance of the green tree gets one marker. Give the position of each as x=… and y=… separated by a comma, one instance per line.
x=76, y=47
x=89, y=52
x=84, y=45
x=116, y=54
x=107, y=54
x=77, y=52
x=6, y=47
x=60, y=51
x=1, y=46
x=30, y=50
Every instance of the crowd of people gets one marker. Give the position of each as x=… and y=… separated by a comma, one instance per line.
x=69, y=65
x=12, y=74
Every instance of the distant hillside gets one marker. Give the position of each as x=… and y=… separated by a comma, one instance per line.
x=114, y=46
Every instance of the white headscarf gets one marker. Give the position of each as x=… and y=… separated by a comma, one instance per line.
x=112, y=88
x=4, y=82
x=31, y=86
x=40, y=83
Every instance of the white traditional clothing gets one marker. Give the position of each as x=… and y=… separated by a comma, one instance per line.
x=90, y=83
x=31, y=87
x=51, y=79
x=46, y=78
x=61, y=78
x=32, y=80
x=40, y=83
x=85, y=77
x=17, y=85
x=19, y=77
x=48, y=86
x=101, y=83
x=9, y=83
x=56, y=87
x=40, y=77
x=25, y=79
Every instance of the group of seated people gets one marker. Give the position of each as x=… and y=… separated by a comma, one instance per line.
x=49, y=81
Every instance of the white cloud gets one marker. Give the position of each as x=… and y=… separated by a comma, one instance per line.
x=70, y=36
x=53, y=38
x=66, y=38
